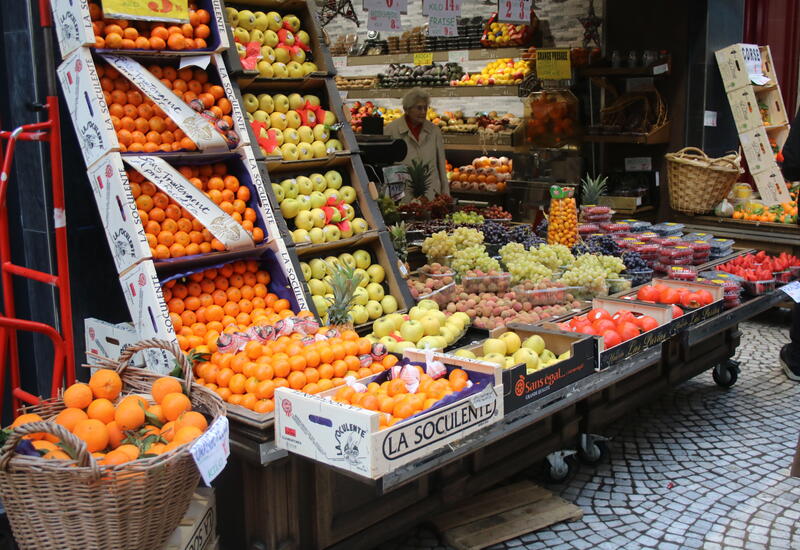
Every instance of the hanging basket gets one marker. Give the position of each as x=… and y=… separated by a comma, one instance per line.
x=697, y=183
x=80, y=505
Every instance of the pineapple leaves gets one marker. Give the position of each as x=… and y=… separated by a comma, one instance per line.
x=344, y=282
x=593, y=188
x=419, y=174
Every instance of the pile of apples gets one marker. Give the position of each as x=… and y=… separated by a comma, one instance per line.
x=371, y=299
x=483, y=174
x=425, y=327
x=508, y=350
x=320, y=207
x=278, y=43
x=489, y=310
x=615, y=329
x=291, y=126
x=504, y=71
x=759, y=266
x=360, y=110
x=501, y=35
x=663, y=294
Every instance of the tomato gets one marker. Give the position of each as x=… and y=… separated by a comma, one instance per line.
x=691, y=300
x=587, y=329
x=646, y=323
x=676, y=312
x=598, y=314
x=627, y=330
x=704, y=297
x=647, y=294
x=611, y=338
x=668, y=296
x=602, y=325
x=622, y=316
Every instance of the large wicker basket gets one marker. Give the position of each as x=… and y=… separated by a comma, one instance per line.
x=83, y=506
x=697, y=183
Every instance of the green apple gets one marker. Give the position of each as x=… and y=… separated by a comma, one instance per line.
x=300, y=236
x=321, y=133
x=397, y=319
x=334, y=179
x=313, y=99
x=566, y=355
x=306, y=135
x=375, y=292
x=303, y=220
x=346, y=230
x=332, y=233
x=250, y=103
x=512, y=341
x=294, y=121
x=319, y=181
x=277, y=120
x=262, y=116
x=256, y=36
x=349, y=212
x=271, y=38
x=494, y=345
x=302, y=36
x=547, y=356
x=376, y=273
x=428, y=305
x=412, y=330
x=347, y=259
x=363, y=259
x=347, y=194
x=359, y=314
x=389, y=303
x=290, y=208
x=274, y=20
x=306, y=270
x=360, y=225
x=382, y=327
x=279, y=70
x=316, y=234
x=527, y=356
x=264, y=69
x=294, y=69
x=317, y=199
x=330, y=118
x=240, y=34
x=317, y=215
x=331, y=193
x=232, y=15
x=310, y=67
x=334, y=145
x=289, y=188
x=321, y=304
x=304, y=151
x=448, y=333
x=292, y=21
x=362, y=277
x=318, y=268
x=465, y=353
x=304, y=185
x=400, y=347
x=535, y=343
x=319, y=149
x=429, y=342
x=374, y=309
x=461, y=315
x=268, y=54
x=299, y=57
x=316, y=287
x=278, y=191
x=416, y=313
x=360, y=296
x=305, y=202
x=431, y=325
x=496, y=358
x=296, y=101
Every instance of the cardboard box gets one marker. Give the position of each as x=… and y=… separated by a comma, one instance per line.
x=352, y=171
x=307, y=12
x=693, y=316
x=621, y=204
x=348, y=437
x=377, y=244
x=771, y=185
x=520, y=388
x=757, y=150
x=109, y=340
x=89, y=111
x=141, y=286
x=120, y=216
x=744, y=106
x=197, y=530
x=772, y=100
x=74, y=28
x=733, y=64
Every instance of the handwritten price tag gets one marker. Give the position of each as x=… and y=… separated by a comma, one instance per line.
x=147, y=10
x=792, y=290
x=514, y=11
x=424, y=58
x=211, y=450
x=384, y=20
x=553, y=64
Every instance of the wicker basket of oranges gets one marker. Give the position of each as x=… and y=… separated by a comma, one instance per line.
x=107, y=465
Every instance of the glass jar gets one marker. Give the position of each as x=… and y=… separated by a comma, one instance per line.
x=551, y=118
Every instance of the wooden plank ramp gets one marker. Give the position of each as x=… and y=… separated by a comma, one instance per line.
x=501, y=514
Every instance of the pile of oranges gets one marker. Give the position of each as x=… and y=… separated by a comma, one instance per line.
x=393, y=399
x=172, y=232
x=141, y=125
x=120, y=34
x=249, y=377
x=232, y=297
x=118, y=429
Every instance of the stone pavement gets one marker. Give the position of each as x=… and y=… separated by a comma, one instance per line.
x=700, y=468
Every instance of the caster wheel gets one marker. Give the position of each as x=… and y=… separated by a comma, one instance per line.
x=596, y=452
x=725, y=375
x=558, y=469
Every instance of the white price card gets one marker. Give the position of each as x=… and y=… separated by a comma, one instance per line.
x=339, y=61
x=514, y=11
x=792, y=290
x=395, y=5
x=482, y=399
x=638, y=164
x=384, y=20
x=211, y=450
x=458, y=56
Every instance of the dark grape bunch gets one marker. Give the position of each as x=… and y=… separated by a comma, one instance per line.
x=580, y=249
x=541, y=229
x=495, y=233
x=634, y=262
x=603, y=245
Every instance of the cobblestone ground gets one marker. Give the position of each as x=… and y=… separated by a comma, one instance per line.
x=700, y=468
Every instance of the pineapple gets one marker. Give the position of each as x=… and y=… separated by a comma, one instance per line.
x=344, y=283
x=420, y=175
x=592, y=189
x=398, y=236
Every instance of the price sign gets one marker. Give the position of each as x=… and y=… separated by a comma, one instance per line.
x=211, y=450
x=384, y=20
x=340, y=61
x=458, y=56
x=443, y=17
x=147, y=10
x=443, y=7
x=553, y=65
x=514, y=11
x=396, y=5
x=792, y=290
x=424, y=58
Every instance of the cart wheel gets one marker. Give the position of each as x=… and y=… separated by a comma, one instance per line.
x=559, y=466
x=592, y=451
x=725, y=374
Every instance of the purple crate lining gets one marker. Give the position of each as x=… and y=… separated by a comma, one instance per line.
x=278, y=284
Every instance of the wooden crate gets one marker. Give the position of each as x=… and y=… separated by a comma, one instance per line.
x=306, y=11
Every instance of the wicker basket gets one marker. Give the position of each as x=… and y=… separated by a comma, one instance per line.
x=80, y=505
x=697, y=183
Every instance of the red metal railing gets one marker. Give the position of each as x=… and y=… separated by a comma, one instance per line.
x=63, y=358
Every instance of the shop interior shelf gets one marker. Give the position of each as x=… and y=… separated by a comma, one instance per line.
x=438, y=57
x=659, y=135
x=441, y=91
x=659, y=69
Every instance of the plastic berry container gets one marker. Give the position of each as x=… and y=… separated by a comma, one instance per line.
x=638, y=226
x=588, y=228
x=425, y=274
x=594, y=210
x=618, y=285
x=614, y=227
x=486, y=283
x=681, y=273
x=698, y=247
x=668, y=228
x=597, y=218
x=442, y=296
x=647, y=236
x=757, y=288
x=675, y=253
x=647, y=249
x=660, y=268
x=731, y=303
x=698, y=237
x=638, y=277
x=547, y=296
x=719, y=245
x=795, y=269
x=782, y=277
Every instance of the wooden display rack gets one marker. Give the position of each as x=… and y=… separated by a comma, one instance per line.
x=759, y=114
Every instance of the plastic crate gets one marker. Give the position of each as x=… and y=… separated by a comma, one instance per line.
x=442, y=296
x=486, y=283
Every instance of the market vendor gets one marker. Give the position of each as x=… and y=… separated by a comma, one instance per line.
x=423, y=138
x=790, y=353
